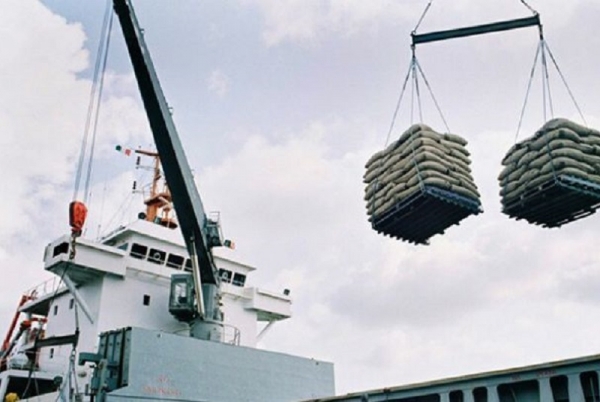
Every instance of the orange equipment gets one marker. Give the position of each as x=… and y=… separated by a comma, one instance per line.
x=77, y=215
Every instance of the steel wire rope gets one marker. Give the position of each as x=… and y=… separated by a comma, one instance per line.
x=415, y=91
x=562, y=77
x=412, y=141
x=126, y=203
x=529, y=7
x=377, y=182
x=414, y=31
x=122, y=210
x=531, y=75
x=546, y=87
x=395, y=115
x=546, y=83
x=97, y=68
x=412, y=94
x=98, y=106
x=92, y=100
x=435, y=102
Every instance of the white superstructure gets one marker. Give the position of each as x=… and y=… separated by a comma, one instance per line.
x=123, y=281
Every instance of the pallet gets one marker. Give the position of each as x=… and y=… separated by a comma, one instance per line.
x=424, y=214
x=560, y=200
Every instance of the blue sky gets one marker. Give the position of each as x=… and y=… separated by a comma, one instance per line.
x=279, y=105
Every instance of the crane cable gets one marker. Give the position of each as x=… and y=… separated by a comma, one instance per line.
x=77, y=209
x=95, y=96
x=414, y=31
x=543, y=50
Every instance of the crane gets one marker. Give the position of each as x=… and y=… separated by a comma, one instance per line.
x=197, y=299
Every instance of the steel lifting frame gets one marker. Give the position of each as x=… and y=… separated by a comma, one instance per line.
x=477, y=30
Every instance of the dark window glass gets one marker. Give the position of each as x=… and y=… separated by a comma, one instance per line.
x=239, y=280
x=62, y=248
x=175, y=261
x=225, y=275
x=157, y=256
x=138, y=251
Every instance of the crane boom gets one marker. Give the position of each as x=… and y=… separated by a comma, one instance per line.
x=198, y=231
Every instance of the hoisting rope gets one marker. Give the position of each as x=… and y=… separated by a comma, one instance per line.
x=564, y=81
x=531, y=75
x=387, y=140
x=546, y=85
x=542, y=49
x=414, y=31
x=98, y=101
x=529, y=7
x=414, y=70
x=415, y=91
x=78, y=209
x=435, y=102
x=99, y=67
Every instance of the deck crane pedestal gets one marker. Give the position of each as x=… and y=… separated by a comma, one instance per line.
x=197, y=299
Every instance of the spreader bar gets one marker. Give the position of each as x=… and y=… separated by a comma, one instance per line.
x=476, y=30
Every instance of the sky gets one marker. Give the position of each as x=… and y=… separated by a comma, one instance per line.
x=279, y=104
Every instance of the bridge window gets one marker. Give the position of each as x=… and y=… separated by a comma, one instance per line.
x=519, y=391
x=560, y=388
x=138, y=251
x=175, y=261
x=239, y=279
x=123, y=246
x=62, y=248
x=589, y=383
x=480, y=394
x=188, y=265
x=456, y=396
x=225, y=275
x=157, y=256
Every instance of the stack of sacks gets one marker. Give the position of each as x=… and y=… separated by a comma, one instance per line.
x=420, y=157
x=560, y=147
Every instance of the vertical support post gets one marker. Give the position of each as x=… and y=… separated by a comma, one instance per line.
x=493, y=394
x=545, y=389
x=575, y=389
x=468, y=395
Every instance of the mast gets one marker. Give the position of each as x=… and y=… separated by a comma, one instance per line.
x=159, y=203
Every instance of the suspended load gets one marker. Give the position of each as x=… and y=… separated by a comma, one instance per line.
x=420, y=185
x=553, y=177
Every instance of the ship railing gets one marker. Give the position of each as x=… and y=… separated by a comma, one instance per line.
x=231, y=335
x=49, y=286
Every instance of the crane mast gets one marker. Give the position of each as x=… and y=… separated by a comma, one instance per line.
x=199, y=232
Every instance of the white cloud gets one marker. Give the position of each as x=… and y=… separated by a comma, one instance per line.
x=388, y=312
x=308, y=21
x=303, y=21
x=218, y=83
x=43, y=105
